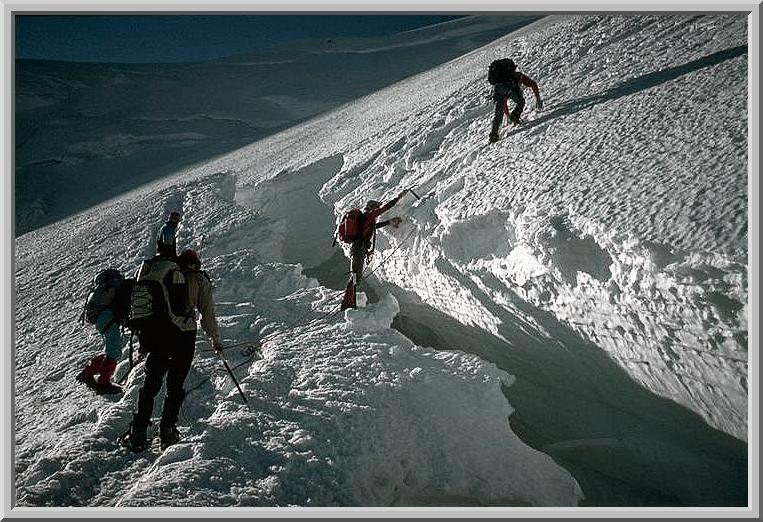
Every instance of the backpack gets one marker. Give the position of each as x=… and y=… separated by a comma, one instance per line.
x=500, y=71
x=99, y=298
x=166, y=241
x=351, y=226
x=159, y=297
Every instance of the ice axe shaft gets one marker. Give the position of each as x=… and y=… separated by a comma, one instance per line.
x=412, y=192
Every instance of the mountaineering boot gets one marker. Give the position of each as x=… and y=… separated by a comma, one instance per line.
x=86, y=378
x=104, y=384
x=109, y=388
x=134, y=438
x=493, y=137
x=168, y=435
x=105, y=369
x=93, y=368
x=108, y=366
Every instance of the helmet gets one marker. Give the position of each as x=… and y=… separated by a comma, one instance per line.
x=189, y=259
x=511, y=65
x=372, y=203
x=174, y=217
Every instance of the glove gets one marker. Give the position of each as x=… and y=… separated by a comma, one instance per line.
x=218, y=346
x=402, y=194
x=539, y=105
x=395, y=221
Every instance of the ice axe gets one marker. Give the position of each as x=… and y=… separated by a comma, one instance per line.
x=412, y=192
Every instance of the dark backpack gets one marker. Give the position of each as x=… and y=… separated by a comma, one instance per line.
x=500, y=71
x=159, y=297
x=120, y=306
x=351, y=227
x=99, y=298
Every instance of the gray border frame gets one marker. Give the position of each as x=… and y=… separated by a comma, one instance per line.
x=7, y=326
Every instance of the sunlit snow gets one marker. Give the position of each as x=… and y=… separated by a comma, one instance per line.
x=560, y=319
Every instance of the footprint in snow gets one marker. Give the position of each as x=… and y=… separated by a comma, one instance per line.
x=55, y=376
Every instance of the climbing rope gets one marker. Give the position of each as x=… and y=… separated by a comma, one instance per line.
x=251, y=347
x=338, y=309
x=251, y=354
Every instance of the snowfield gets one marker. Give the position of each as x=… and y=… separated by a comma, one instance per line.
x=344, y=412
x=87, y=132
x=561, y=319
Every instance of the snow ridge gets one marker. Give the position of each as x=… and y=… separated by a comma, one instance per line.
x=332, y=401
x=579, y=221
x=585, y=266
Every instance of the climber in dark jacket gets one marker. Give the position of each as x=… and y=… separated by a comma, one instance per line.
x=166, y=242
x=171, y=344
x=509, y=87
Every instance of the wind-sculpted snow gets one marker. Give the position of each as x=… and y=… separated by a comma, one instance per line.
x=590, y=267
x=343, y=412
x=621, y=208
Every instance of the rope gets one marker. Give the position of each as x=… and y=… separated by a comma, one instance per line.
x=390, y=254
x=251, y=350
x=199, y=384
x=333, y=312
x=246, y=345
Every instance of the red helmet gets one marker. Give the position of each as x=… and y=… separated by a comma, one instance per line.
x=189, y=259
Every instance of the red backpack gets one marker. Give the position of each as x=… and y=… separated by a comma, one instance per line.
x=351, y=227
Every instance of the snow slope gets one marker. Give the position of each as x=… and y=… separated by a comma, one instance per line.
x=88, y=132
x=343, y=412
x=590, y=267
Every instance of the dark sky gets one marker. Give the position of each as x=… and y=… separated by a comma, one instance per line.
x=179, y=38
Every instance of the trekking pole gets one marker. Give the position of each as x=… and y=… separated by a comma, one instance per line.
x=230, y=372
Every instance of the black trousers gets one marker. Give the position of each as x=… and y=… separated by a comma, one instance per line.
x=170, y=354
x=358, y=251
x=502, y=93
